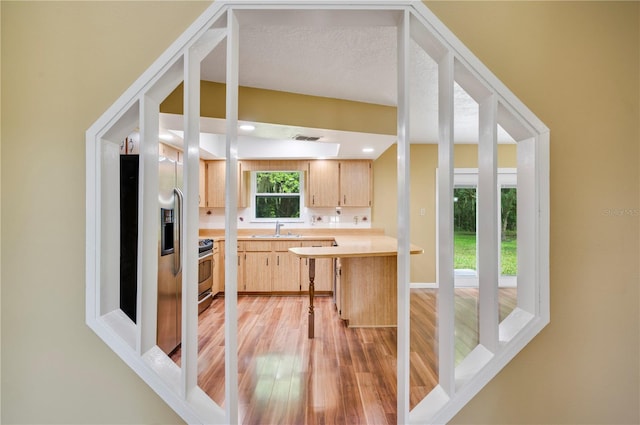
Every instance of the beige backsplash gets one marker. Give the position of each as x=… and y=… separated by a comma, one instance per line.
x=316, y=231
x=316, y=218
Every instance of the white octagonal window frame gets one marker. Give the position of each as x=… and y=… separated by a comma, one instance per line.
x=138, y=108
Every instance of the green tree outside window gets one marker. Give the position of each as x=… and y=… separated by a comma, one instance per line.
x=277, y=194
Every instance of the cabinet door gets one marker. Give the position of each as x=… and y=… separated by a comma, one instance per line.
x=215, y=183
x=257, y=271
x=323, y=184
x=216, y=179
x=285, y=267
x=215, y=286
x=241, y=268
x=256, y=260
x=323, y=280
x=243, y=186
x=355, y=183
x=285, y=271
x=202, y=185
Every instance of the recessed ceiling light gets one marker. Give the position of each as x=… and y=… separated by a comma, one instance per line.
x=247, y=127
x=367, y=150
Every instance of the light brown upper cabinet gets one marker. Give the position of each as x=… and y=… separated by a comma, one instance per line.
x=339, y=183
x=355, y=183
x=216, y=178
x=323, y=183
x=215, y=184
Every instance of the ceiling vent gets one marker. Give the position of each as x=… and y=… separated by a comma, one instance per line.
x=306, y=138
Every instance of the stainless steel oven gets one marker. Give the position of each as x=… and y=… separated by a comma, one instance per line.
x=206, y=265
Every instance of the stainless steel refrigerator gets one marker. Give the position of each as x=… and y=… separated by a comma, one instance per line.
x=169, y=252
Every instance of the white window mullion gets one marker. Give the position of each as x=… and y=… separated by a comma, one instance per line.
x=446, y=340
x=403, y=259
x=488, y=245
x=148, y=219
x=527, y=214
x=231, y=222
x=190, y=221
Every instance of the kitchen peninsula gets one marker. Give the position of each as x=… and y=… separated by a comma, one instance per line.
x=366, y=278
x=363, y=261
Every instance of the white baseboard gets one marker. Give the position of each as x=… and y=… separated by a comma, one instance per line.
x=423, y=285
x=505, y=282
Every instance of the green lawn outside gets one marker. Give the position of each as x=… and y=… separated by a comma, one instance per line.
x=465, y=253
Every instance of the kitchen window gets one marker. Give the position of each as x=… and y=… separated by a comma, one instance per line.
x=276, y=195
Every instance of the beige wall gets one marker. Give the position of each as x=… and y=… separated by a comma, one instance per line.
x=63, y=65
x=576, y=65
x=278, y=107
x=424, y=162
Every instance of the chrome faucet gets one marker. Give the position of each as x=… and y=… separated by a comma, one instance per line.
x=278, y=226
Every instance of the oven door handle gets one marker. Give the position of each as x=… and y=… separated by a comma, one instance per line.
x=205, y=298
x=206, y=256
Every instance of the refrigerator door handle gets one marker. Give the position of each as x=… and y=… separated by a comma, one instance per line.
x=177, y=258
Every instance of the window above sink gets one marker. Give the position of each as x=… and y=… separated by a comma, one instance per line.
x=277, y=195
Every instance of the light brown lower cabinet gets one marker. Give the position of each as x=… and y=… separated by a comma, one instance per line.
x=257, y=272
x=254, y=260
x=368, y=291
x=324, y=270
x=285, y=267
x=218, y=283
x=269, y=267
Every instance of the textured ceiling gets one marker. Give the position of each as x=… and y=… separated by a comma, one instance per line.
x=357, y=63
x=346, y=62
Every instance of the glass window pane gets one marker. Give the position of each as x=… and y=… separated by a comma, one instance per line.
x=508, y=291
x=278, y=182
x=277, y=206
x=464, y=225
x=268, y=201
x=508, y=232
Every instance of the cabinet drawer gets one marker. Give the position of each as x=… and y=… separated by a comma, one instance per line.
x=284, y=245
x=317, y=243
x=256, y=246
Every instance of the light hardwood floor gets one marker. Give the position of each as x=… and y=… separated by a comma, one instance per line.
x=344, y=375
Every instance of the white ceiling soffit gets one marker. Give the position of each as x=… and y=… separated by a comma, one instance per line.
x=274, y=141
